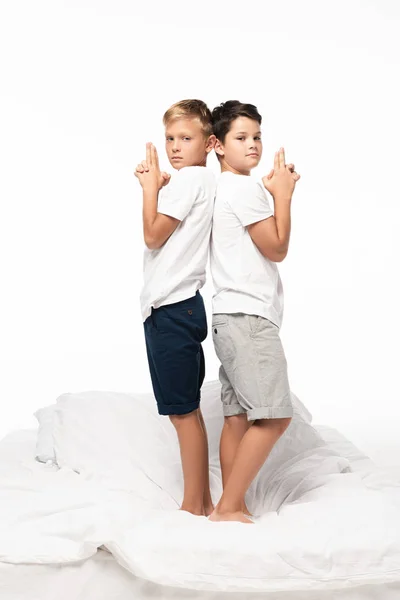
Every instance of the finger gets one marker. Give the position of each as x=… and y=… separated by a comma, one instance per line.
x=296, y=176
x=154, y=155
x=148, y=154
x=276, y=161
x=291, y=167
x=140, y=168
x=270, y=174
x=281, y=158
x=145, y=165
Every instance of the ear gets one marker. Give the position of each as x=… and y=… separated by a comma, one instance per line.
x=219, y=149
x=210, y=143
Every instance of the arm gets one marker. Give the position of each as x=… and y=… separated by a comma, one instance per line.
x=157, y=227
x=271, y=236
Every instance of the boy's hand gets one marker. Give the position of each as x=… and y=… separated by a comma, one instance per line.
x=148, y=171
x=142, y=167
x=281, y=180
x=291, y=168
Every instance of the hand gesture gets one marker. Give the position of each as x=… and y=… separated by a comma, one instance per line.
x=148, y=171
x=281, y=180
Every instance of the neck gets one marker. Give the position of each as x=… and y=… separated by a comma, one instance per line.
x=226, y=167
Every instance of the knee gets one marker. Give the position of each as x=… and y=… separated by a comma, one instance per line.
x=279, y=426
x=178, y=420
x=237, y=422
x=283, y=424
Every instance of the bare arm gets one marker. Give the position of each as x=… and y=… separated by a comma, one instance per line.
x=271, y=236
x=157, y=227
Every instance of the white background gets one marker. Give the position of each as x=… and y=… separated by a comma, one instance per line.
x=84, y=85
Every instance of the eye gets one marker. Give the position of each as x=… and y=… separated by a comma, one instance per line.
x=257, y=137
x=240, y=138
x=186, y=138
x=169, y=138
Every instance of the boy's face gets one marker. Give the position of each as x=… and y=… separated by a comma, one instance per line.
x=242, y=148
x=186, y=144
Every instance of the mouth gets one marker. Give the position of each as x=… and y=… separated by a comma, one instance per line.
x=254, y=154
x=176, y=158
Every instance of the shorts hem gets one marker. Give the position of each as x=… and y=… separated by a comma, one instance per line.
x=178, y=409
x=265, y=412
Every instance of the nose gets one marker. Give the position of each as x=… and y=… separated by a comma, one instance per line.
x=175, y=146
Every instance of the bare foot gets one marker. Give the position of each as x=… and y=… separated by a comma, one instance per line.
x=246, y=511
x=229, y=516
x=198, y=512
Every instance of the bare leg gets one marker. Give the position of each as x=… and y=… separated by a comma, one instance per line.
x=233, y=431
x=207, y=500
x=193, y=447
x=253, y=451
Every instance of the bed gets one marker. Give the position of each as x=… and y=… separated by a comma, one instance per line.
x=68, y=532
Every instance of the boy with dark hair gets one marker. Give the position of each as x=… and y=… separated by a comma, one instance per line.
x=248, y=239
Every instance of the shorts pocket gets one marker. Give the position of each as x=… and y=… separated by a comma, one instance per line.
x=219, y=321
x=223, y=343
x=255, y=322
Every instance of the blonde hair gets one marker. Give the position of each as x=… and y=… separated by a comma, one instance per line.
x=186, y=109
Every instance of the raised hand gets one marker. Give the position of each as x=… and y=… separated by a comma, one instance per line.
x=148, y=171
x=281, y=180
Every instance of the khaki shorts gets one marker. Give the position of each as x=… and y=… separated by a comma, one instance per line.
x=253, y=370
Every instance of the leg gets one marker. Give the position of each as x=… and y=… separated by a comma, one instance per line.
x=235, y=426
x=251, y=352
x=194, y=452
x=177, y=375
x=207, y=500
x=233, y=431
x=253, y=450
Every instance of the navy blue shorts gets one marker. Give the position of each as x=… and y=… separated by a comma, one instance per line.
x=174, y=333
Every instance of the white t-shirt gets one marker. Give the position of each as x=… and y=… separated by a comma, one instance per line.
x=244, y=280
x=177, y=270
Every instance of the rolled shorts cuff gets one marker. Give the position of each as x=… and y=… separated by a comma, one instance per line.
x=178, y=409
x=268, y=412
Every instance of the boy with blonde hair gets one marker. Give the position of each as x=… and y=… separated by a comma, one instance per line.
x=176, y=228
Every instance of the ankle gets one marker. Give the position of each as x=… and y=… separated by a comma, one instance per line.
x=194, y=509
x=229, y=506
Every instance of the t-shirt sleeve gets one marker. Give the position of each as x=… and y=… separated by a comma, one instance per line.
x=178, y=197
x=250, y=203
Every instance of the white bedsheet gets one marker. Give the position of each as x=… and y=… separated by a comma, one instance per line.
x=340, y=533
x=102, y=578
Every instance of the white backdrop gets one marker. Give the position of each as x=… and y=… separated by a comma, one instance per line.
x=84, y=84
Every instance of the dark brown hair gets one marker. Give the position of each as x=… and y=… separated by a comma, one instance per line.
x=224, y=115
